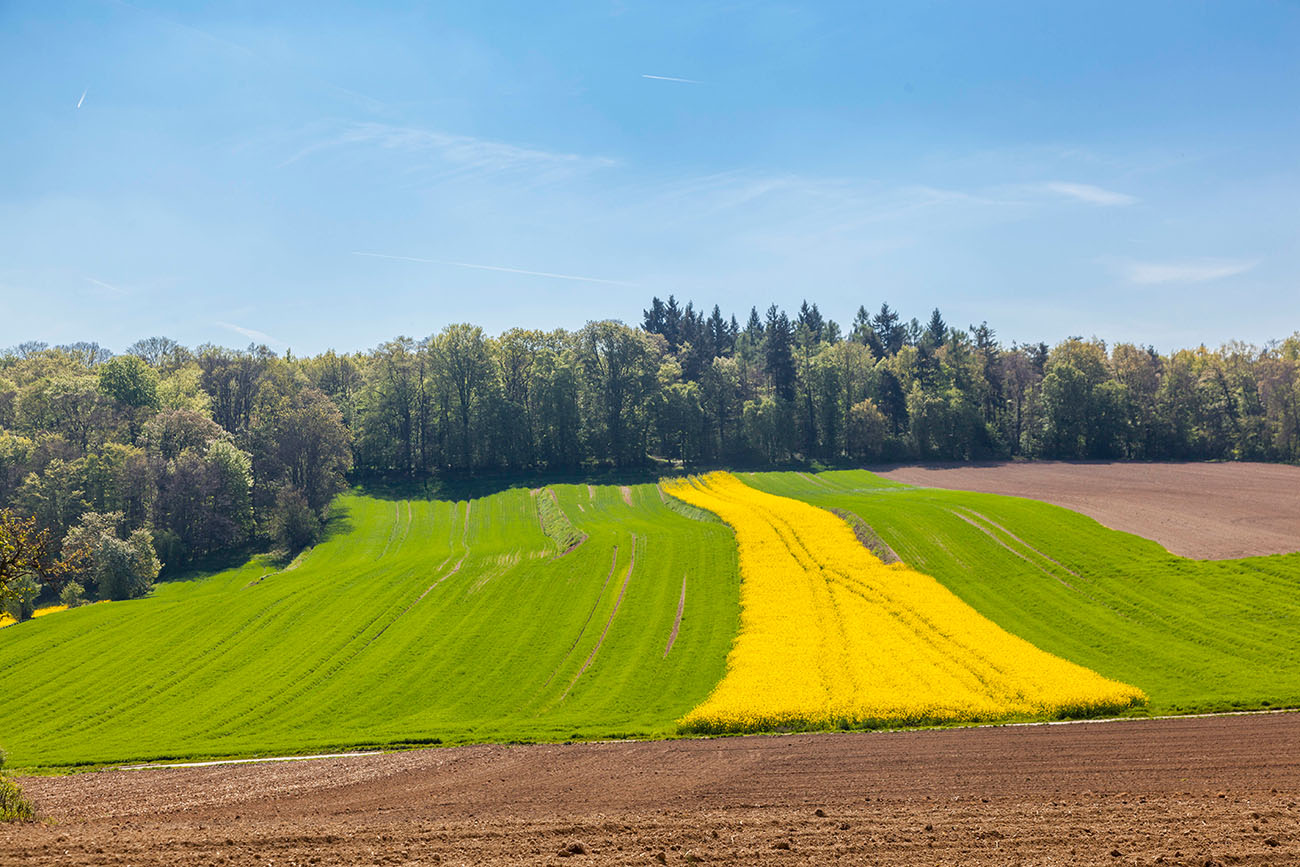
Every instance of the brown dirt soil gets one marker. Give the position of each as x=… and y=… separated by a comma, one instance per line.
x=1207, y=511
x=1220, y=790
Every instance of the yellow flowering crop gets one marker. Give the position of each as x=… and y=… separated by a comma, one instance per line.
x=5, y=619
x=832, y=637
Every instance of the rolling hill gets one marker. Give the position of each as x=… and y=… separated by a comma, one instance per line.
x=580, y=611
x=415, y=621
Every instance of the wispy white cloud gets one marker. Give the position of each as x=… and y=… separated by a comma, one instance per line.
x=83, y=97
x=1194, y=271
x=789, y=198
x=464, y=153
x=252, y=334
x=186, y=28
x=245, y=52
x=1088, y=193
x=670, y=78
x=769, y=231
x=496, y=268
x=116, y=291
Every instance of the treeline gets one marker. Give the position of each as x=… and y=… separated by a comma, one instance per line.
x=157, y=457
x=211, y=449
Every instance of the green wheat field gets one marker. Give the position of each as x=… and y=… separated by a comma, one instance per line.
x=580, y=612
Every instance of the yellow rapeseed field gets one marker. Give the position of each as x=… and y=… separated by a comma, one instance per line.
x=5, y=619
x=831, y=637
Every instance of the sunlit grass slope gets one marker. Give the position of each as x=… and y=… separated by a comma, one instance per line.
x=415, y=620
x=832, y=637
x=1194, y=635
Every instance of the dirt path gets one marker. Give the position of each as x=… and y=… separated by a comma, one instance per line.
x=1207, y=511
x=1190, y=791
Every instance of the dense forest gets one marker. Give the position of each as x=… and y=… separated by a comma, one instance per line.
x=164, y=454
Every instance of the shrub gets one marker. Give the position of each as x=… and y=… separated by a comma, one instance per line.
x=72, y=594
x=13, y=805
x=121, y=568
x=21, y=604
x=294, y=525
x=171, y=549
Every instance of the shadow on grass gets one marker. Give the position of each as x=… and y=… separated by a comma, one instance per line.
x=338, y=523
x=209, y=564
x=463, y=486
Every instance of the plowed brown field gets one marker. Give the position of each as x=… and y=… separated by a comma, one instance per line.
x=1207, y=511
x=1186, y=791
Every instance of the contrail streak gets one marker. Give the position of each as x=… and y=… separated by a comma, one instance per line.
x=251, y=333
x=109, y=287
x=496, y=268
x=671, y=78
x=83, y=97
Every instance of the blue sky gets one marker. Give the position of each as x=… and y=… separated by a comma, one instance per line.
x=328, y=175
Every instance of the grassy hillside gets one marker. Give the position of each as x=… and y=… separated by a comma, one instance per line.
x=415, y=620
x=1195, y=635
x=549, y=614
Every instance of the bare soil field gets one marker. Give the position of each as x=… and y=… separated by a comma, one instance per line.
x=1209, y=511
x=1222, y=790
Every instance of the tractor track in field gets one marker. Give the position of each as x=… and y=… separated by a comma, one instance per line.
x=988, y=526
x=1019, y=541
x=347, y=652
x=613, y=564
x=464, y=541
x=963, y=515
x=397, y=523
x=430, y=588
x=1216, y=790
x=631, y=564
x=410, y=519
x=677, y=624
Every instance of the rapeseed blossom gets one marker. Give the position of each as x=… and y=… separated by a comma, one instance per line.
x=6, y=620
x=831, y=637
